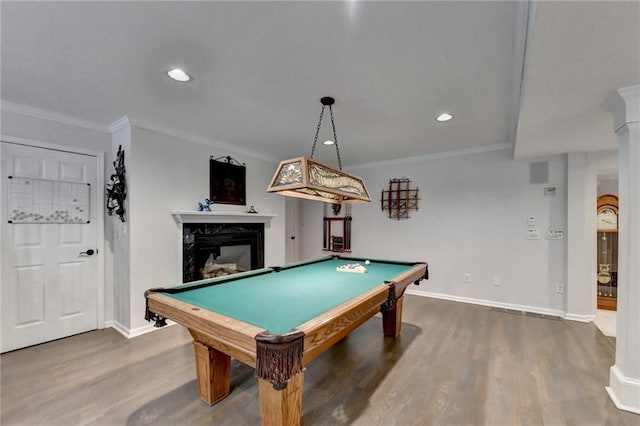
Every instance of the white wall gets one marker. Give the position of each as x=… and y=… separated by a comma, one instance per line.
x=168, y=174
x=607, y=186
x=472, y=219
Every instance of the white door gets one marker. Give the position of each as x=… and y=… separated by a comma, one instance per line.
x=49, y=286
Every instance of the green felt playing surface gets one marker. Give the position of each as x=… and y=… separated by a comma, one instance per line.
x=280, y=301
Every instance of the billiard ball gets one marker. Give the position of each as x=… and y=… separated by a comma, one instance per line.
x=366, y=262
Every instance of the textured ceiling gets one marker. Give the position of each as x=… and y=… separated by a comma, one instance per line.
x=260, y=69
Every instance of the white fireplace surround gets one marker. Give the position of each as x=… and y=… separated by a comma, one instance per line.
x=187, y=216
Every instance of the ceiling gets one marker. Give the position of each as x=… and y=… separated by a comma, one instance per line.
x=260, y=69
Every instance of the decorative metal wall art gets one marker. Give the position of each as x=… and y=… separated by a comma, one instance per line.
x=399, y=198
x=117, y=187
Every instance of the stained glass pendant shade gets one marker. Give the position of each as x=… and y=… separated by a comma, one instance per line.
x=306, y=178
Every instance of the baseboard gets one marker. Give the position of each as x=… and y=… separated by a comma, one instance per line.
x=624, y=391
x=131, y=333
x=579, y=318
x=489, y=303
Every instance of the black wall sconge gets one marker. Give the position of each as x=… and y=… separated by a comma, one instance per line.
x=117, y=187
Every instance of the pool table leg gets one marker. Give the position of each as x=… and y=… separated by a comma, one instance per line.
x=392, y=318
x=281, y=407
x=214, y=370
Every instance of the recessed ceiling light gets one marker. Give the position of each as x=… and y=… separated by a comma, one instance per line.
x=179, y=75
x=445, y=116
x=328, y=142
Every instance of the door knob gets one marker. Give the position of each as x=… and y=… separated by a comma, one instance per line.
x=88, y=252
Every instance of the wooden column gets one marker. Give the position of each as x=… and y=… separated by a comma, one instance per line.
x=213, y=369
x=281, y=407
x=624, y=380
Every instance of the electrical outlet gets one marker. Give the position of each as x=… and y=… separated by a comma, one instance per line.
x=560, y=288
x=467, y=278
x=496, y=281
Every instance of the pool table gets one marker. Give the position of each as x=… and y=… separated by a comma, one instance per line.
x=278, y=319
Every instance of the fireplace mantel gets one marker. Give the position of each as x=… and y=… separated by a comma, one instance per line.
x=187, y=216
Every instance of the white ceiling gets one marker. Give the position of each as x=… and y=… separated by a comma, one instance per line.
x=577, y=54
x=260, y=69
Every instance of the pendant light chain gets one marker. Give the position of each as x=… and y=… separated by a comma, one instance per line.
x=315, y=139
x=307, y=178
x=335, y=138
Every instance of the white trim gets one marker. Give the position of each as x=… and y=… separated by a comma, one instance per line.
x=525, y=13
x=490, y=303
x=187, y=216
x=579, y=318
x=189, y=137
x=139, y=331
x=624, y=128
x=622, y=389
x=52, y=116
x=119, y=328
x=119, y=124
x=436, y=156
x=100, y=241
x=53, y=146
x=629, y=92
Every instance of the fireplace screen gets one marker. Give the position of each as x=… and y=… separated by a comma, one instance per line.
x=212, y=250
x=226, y=260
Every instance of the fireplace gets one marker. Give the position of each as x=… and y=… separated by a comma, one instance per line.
x=215, y=249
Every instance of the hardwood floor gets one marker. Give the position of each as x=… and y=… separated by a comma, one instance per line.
x=455, y=364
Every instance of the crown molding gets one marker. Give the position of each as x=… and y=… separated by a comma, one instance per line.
x=129, y=120
x=525, y=17
x=436, y=156
x=120, y=124
x=52, y=116
x=123, y=122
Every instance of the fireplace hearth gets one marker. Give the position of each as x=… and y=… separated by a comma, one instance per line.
x=217, y=248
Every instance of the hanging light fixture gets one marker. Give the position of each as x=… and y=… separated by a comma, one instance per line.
x=304, y=177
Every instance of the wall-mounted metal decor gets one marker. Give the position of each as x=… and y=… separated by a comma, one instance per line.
x=33, y=200
x=227, y=181
x=399, y=198
x=117, y=187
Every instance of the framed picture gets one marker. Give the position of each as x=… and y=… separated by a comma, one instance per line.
x=227, y=181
